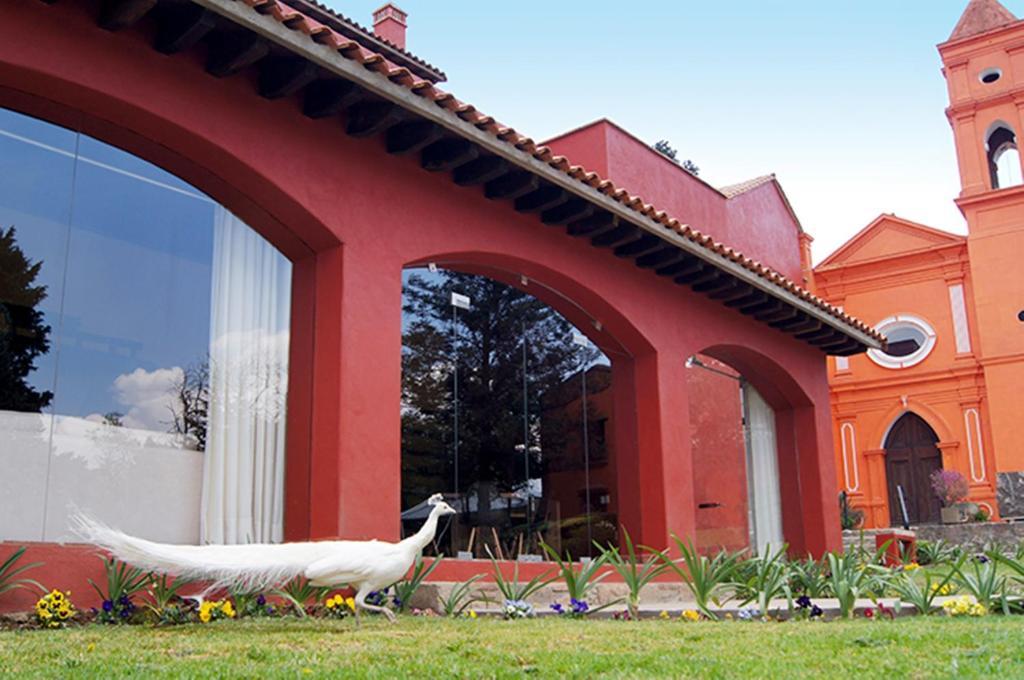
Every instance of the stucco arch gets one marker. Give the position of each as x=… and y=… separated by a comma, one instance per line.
x=926, y=413
x=124, y=107
x=608, y=327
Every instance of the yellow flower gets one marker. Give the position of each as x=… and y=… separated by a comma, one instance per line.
x=691, y=615
x=472, y=614
x=330, y=603
x=911, y=566
x=228, y=610
x=91, y=647
x=728, y=616
x=663, y=614
x=351, y=603
x=204, y=615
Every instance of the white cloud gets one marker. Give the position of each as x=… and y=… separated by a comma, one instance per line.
x=148, y=397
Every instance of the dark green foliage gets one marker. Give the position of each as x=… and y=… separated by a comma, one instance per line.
x=24, y=336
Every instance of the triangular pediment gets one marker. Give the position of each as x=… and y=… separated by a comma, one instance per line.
x=888, y=236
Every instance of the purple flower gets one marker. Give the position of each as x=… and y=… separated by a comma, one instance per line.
x=816, y=611
x=108, y=606
x=260, y=600
x=803, y=602
x=557, y=608
x=579, y=606
x=398, y=602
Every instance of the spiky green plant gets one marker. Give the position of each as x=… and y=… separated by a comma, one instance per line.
x=513, y=590
x=10, y=569
x=406, y=588
x=920, y=594
x=982, y=579
x=768, y=581
x=809, y=577
x=850, y=576
x=633, y=571
x=709, y=579
x=580, y=579
x=461, y=597
x=299, y=592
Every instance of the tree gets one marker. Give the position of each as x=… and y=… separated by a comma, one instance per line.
x=488, y=344
x=663, y=147
x=24, y=336
x=191, y=406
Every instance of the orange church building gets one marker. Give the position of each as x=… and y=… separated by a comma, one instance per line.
x=946, y=391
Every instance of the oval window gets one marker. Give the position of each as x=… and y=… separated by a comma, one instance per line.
x=909, y=340
x=989, y=76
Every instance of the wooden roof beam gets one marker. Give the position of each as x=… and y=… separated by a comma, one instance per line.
x=642, y=246
x=480, y=171
x=570, y=211
x=119, y=14
x=411, y=136
x=325, y=98
x=235, y=52
x=448, y=154
x=597, y=223
x=182, y=27
x=369, y=118
x=544, y=198
x=661, y=257
x=284, y=76
x=624, y=233
x=512, y=185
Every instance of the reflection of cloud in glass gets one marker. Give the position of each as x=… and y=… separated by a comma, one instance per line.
x=148, y=397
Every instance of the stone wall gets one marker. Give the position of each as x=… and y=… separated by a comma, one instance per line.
x=973, y=536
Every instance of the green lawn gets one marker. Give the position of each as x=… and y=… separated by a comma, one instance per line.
x=434, y=648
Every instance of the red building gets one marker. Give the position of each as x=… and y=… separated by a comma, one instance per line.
x=246, y=181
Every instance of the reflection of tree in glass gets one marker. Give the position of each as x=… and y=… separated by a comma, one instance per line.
x=23, y=335
x=490, y=337
x=191, y=406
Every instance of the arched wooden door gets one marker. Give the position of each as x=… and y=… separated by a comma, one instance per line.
x=911, y=456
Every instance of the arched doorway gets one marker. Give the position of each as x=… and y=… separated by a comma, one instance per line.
x=911, y=456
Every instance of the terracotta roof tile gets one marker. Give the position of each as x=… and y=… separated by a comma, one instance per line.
x=743, y=187
x=349, y=49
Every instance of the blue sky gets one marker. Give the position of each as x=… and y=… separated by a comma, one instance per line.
x=843, y=100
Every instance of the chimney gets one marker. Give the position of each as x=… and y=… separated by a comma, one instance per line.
x=389, y=23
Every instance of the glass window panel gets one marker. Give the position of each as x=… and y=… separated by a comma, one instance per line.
x=522, y=473
x=35, y=198
x=168, y=346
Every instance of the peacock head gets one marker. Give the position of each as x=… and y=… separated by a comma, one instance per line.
x=440, y=507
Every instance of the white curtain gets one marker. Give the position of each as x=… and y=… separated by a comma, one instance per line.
x=243, y=469
x=765, y=500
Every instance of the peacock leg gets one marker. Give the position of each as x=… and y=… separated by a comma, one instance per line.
x=361, y=604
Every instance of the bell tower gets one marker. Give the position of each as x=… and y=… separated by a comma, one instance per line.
x=983, y=63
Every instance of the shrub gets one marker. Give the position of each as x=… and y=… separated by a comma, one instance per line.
x=299, y=592
x=950, y=487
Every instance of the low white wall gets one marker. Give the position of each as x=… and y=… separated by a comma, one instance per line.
x=139, y=481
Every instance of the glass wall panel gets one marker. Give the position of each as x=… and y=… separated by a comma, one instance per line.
x=497, y=414
x=37, y=166
x=165, y=364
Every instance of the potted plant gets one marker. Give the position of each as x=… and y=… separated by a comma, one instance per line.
x=951, y=488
